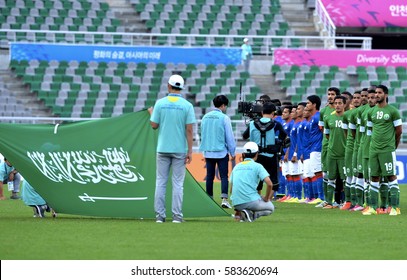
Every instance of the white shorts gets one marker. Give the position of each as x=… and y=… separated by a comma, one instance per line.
x=315, y=162
x=295, y=168
x=284, y=168
x=307, y=172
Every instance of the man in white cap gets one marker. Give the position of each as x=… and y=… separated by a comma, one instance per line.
x=174, y=117
x=244, y=180
x=246, y=54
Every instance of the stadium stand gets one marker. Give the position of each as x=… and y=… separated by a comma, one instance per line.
x=58, y=15
x=225, y=17
x=9, y=106
x=299, y=81
x=81, y=89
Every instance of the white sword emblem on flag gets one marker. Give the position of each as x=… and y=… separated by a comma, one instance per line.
x=87, y=198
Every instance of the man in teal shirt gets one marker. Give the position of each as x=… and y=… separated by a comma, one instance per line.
x=174, y=117
x=246, y=54
x=9, y=175
x=217, y=143
x=243, y=187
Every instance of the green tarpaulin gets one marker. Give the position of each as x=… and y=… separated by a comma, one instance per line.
x=100, y=167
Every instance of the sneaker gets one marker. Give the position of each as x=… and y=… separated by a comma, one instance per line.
x=39, y=211
x=225, y=204
x=321, y=205
x=315, y=201
x=54, y=214
x=288, y=199
x=160, y=220
x=309, y=200
x=247, y=216
x=237, y=216
x=369, y=212
x=304, y=200
x=284, y=198
x=14, y=196
x=178, y=221
x=293, y=200
x=381, y=210
x=335, y=205
x=357, y=208
x=393, y=212
x=346, y=206
x=327, y=206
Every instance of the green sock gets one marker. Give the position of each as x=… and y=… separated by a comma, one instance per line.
x=384, y=195
x=348, y=181
x=330, y=190
x=325, y=188
x=347, y=192
x=367, y=197
x=359, y=196
x=394, y=193
x=374, y=194
x=366, y=193
x=353, y=195
x=398, y=199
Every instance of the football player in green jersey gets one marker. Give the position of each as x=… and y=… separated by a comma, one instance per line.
x=350, y=129
x=335, y=134
x=386, y=124
x=371, y=99
x=324, y=113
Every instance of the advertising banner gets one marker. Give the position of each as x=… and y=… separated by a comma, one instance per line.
x=198, y=168
x=367, y=13
x=138, y=54
x=401, y=168
x=103, y=167
x=341, y=58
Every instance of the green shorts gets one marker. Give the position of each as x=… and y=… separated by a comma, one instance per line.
x=335, y=168
x=382, y=164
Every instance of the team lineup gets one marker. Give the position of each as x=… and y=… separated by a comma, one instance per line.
x=343, y=156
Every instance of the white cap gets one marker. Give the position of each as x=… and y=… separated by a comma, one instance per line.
x=176, y=81
x=246, y=40
x=250, y=148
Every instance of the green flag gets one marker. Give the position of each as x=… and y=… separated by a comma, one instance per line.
x=103, y=167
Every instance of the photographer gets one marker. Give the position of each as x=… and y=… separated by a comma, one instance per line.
x=243, y=180
x=270, y=136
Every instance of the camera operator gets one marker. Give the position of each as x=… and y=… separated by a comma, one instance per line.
x=263, y=99
x=270, y=136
